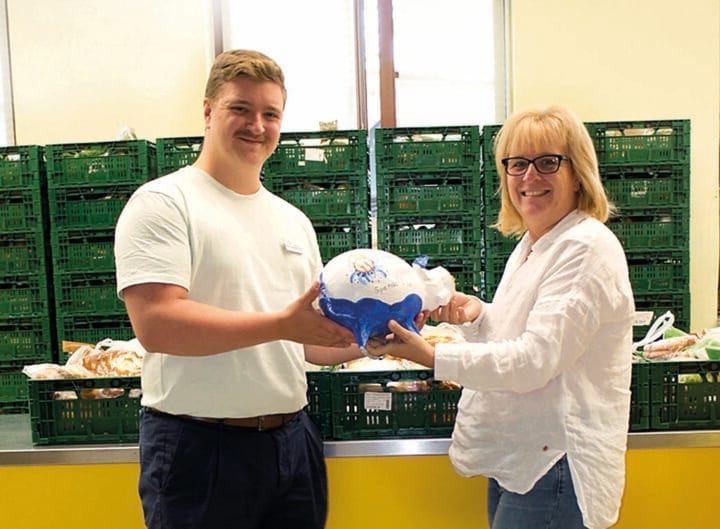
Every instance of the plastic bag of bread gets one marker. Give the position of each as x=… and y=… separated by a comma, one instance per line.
x=89, y=361
x=442, y=333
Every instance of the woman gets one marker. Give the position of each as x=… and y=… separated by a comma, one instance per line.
x=546, y=367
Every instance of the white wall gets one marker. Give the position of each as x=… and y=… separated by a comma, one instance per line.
x=83, y=69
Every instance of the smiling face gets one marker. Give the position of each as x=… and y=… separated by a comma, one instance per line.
x=242, y=124
x=542, y=200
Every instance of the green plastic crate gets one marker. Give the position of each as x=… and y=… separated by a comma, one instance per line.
x=653, y=230
x=25, y=341
x=22, y=253
x=429, y=193
x=93, y=328
x=174, y=153
x=85, y=410
x=659, y=272
x=640, y=398
x=332, y=152
x=87, y=208
x=685, y=395
x=660, y=302
x=641, y=142
x=13, y=387
x=23, y=296
x=647, y=187
x=497, y=245
x=488, y=138
x=446, y=238
x=328, y=204
x=319, y=406
x=21, y=211
x=86, y=293
x=342, y=236
x=365, y=405
x=129, y=162
x=494, y=268
x=21, y=167
x=450, y=147
x=83, y=250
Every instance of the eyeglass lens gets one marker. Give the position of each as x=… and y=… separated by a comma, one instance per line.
x=547, y=164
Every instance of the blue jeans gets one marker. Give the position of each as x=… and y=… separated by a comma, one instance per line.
x=550, y=504
x=211, y=476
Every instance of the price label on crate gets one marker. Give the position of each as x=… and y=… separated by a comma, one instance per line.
x=378, y=401
x=314, y=155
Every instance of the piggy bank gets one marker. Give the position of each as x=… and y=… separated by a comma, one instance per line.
x=364, y=288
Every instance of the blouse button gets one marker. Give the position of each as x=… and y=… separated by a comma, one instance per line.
x=545, y=448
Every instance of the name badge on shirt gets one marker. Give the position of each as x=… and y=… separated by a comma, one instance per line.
x=293, y=248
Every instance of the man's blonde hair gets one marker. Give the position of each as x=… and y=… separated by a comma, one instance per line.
x=252, y=64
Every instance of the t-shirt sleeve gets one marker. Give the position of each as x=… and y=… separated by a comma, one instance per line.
x=151, y=242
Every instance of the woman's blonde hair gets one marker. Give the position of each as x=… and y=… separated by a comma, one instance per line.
x=243, y=63
x=555, y=125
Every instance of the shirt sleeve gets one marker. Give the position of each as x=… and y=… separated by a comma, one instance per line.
x=151, y=242
x=564, y=318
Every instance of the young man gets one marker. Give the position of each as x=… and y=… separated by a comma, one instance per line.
x=219, y=276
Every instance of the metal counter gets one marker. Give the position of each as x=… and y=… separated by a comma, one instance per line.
x=16, y=446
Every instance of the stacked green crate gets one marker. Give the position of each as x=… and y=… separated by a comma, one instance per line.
x=174, y=153
x=429, y=198
x=645, y=166
x=25, y=306
x=325, y=174
x=88, y=185
x=496, y=247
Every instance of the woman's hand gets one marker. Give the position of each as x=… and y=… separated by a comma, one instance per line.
x=404, y=344
x=460, y=309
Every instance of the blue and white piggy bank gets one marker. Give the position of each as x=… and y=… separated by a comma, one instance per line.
x=364, y=288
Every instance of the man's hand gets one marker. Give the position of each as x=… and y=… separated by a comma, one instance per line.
x=301, y=322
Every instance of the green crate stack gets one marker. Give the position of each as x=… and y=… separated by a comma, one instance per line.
x=88, y=186
x=174, y=153
x=325, y=174
x=645, y=167
x=25, y=302
x=429, y=198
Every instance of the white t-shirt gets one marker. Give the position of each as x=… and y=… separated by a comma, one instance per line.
x=239, y=252
x=549, y=370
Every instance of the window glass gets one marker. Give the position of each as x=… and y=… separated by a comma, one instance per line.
x=444, y=54
x=445, y=62
x=314, y=43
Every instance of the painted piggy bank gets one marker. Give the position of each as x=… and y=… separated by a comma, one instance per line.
x=364, y=288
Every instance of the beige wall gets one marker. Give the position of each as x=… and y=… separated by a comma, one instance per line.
x=83, y=69
x=634, y=60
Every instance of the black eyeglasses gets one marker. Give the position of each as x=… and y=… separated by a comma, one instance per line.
x=545, y=164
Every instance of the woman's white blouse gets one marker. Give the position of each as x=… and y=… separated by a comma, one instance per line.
x=546, y=370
